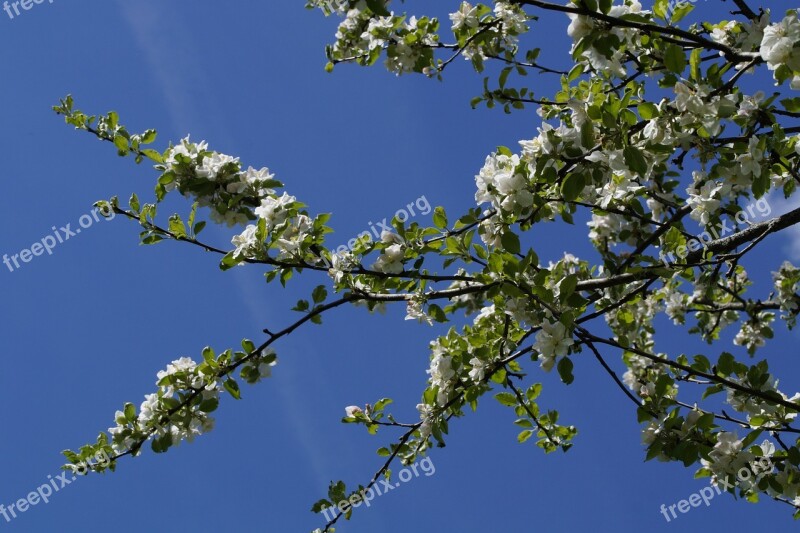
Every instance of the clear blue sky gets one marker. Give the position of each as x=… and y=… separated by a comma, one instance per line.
x=87, y=328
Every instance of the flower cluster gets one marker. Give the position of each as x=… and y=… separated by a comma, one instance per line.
x=393, y=254
x=756, y=408
x=282, y=226
x=471, y=301
x=164, y=415
x=787, y=284
x=553, y=340
x=754, y=332
x=643, y=374
x=584, y=29
x=704, y=198
x=409, y=43
x=341, y=265
x=214, y=180
x=512, y=23
x=441, y=373
x=427, y=417
x=733, y=466
x=187, y=393
x=503, y=183
x=363, y=36
x=780, y=49
x=415, y=310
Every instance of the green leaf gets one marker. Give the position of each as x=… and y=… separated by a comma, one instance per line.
x=122, y=144
x=439, y=218
x=701, y=363
x=437, y=313
x=152, y=239
x=499, y=376
x=176, y=226
x=791, y=104
x=233, y=388
x=524, y=435
x=567, y=287
x=794, y=455
x=572, y=186
x=647, y=110
x=533, y=391
x=510, y=242
x=713, y=389
x=725, y=364
x=504, y=76
x=681, y=10
x=635, y=160
x=153, y=155
x=162, y=443
x=751, y=437
x=575, y=72
x=192, y=215
x=675, y=58
x=378, y=7
x=381, y=404
x=208, y=354
x=695, y=59
x=587, y=134
x=506, y=398
x=148, y=137
x=228, y=261
x=130, y=412
x=565, y=370
x=210, y=405
x=660, y=9
x=319, y=294
x=642, y=415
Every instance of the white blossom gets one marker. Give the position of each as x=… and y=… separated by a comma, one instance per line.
x=778, y=45
x=551, y=341
x=478, y=372
x=213, y=165
x=352, y=410
x=704, y=201
x=274, y=210
x=391, y=261
x=466, y=16
x=245, y=242
x=416, y=311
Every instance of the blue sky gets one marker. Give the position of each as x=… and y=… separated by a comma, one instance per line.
x=87, y=327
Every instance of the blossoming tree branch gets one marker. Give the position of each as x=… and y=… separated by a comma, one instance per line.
x=650, y=135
